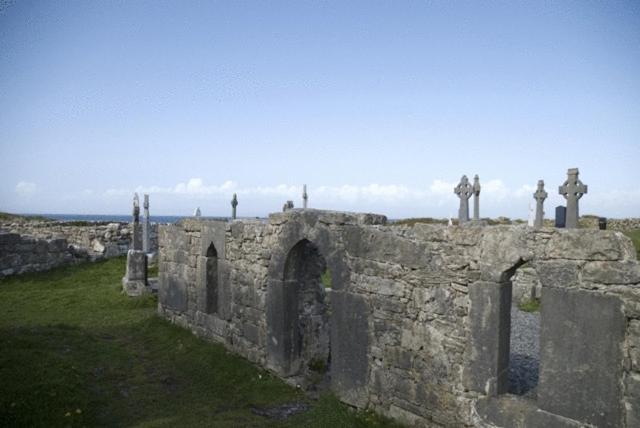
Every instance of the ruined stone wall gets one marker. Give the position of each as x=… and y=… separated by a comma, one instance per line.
x=21, y=254
x=419, y=316
x=98, y=239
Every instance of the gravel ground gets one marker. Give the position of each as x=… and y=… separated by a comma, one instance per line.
x=525, y=352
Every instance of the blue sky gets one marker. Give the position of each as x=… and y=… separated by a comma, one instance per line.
x=377, y=106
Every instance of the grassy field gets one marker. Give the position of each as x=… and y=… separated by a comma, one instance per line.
x=76, y=352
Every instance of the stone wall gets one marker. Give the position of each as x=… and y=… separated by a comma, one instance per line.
x=99, y=239
x=21, y=254
x=39, y=246
x=417, y=318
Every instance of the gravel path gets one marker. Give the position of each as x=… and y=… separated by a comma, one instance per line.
x=525, y=352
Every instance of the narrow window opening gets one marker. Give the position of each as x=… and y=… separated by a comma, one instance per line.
x=212, y=280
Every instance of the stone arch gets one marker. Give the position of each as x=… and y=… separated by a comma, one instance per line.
x=211, y=280
x=348, y=318
x=301, y=256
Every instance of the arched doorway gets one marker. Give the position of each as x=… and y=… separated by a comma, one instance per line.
x=211, y=280
x=306, y=313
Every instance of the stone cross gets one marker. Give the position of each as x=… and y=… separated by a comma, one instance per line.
x=136, y=208
x=137, y=227
x=476, y=198
x=305, y=197
x=540, y=195
x=145, y=226
x=234, y=204
x=464, y=190
x=572, y=190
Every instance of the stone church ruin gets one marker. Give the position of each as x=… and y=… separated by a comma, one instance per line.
x=415, y=322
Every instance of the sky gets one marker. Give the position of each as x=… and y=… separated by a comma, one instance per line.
x=378, y=106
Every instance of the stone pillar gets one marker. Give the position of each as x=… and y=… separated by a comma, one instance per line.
x=540, y=195
x=145, y=226
x=305, y=197
x=136, y=233
x=234, y=204
x=134, y=282
x=476, y=198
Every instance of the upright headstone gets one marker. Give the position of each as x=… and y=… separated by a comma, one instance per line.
x=572, y=190
x=464, y=190
x=476, y=198
x=234, y=204
x=561, y=216
x=305, y=197
x=532, y=216
x=540, y=195
x=197, y=212
x=145, y=226
x=134, y=281
x=137, y=227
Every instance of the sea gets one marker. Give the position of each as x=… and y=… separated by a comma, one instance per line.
x=115, y=217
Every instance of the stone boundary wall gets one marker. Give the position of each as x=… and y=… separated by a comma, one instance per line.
x=419, y=316
x=39, y=246
x=22, y=254
x=612, y=223
x=99, y=239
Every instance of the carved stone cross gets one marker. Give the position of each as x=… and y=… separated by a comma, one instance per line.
x=476, y=198
x=136, y=208
x=540, y=195
x=234, y=204
x=464, y=190
x=305, y=197
x=572, y=190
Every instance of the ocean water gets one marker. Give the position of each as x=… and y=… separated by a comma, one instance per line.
x=114, y=217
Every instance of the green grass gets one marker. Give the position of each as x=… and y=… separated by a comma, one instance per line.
x=326, y=278
x=532, y=305
x=634, y=234
x=15, y=217
x=76, y=352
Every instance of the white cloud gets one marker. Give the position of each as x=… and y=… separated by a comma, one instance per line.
x=26, y=188
x=436, y=199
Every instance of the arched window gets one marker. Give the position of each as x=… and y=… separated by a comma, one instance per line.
x=212, y=280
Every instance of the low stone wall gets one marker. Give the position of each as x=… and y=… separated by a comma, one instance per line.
x=21, y=254
x=98, y=239
x=416, y=323
x=39, y=246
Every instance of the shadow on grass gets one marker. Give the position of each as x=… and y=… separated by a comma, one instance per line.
x=77, y=352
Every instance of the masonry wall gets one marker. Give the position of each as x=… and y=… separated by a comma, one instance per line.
x=39, y=246
x=21, y=254
x=420, y=315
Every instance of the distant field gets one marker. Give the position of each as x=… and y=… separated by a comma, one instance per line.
x=76, y=352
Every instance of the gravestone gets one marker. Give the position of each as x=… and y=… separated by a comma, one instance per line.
x=531, y=219
x=234, y=204
x=305, y=197
x=145, y=226
x=464, y=190
x=572, y=190
x=476, y=198
x=602, y=223
x=561, y=215
x=137, y=227
x=540, y=195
